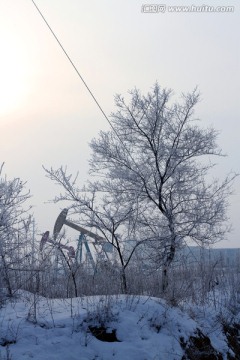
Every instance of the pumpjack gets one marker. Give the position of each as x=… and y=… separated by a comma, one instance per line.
x=98, y=241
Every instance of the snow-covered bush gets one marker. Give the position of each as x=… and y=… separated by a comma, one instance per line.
x=14, y=228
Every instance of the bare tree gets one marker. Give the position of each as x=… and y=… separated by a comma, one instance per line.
x=157, y=158
x=14, y=226
x=154, y=179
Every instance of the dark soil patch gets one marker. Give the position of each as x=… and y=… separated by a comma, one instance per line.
x=232, y=333
x=199, y=347
x=102, y=334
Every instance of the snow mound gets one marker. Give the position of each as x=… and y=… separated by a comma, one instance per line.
x=119, y=327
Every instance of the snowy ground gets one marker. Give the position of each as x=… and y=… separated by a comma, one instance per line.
x=146, y=328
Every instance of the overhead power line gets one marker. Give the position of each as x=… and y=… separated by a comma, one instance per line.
x=73, y=65
x=85, y=84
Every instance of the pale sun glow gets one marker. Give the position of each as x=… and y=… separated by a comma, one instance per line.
x=13, y=77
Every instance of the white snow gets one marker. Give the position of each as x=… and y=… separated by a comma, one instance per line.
x=147, y=328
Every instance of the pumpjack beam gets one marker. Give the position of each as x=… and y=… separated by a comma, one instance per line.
x=61, y=220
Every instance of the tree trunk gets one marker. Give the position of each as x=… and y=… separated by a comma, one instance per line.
x=166, y=267
x=6, y=277
x=124, y=281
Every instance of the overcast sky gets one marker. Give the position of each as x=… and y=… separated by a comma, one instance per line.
x=47, y=117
